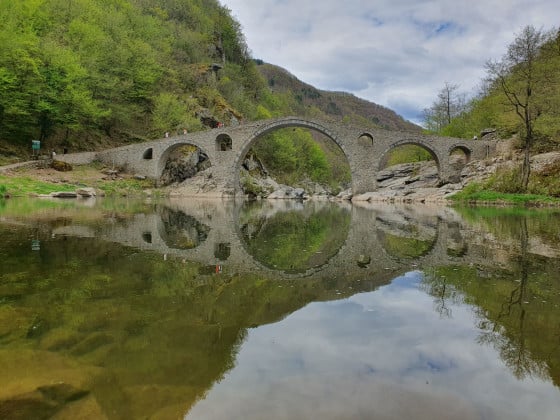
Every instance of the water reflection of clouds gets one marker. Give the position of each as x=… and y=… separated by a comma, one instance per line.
x=384, y=354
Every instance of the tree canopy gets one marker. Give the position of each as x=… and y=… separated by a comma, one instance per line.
x=74, y=68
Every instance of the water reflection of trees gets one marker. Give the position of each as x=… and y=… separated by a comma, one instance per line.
x=513, y=307
x=295, y=240
x=512, y=343
x=444, y=292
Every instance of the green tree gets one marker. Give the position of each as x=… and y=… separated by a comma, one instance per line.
x=20, y=64
x=522, y=80
x=169, y=113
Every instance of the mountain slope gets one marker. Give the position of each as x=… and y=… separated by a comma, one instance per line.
x=334, y=105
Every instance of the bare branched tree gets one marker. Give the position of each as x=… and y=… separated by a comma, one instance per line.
x=449, y=104
x=519, y=77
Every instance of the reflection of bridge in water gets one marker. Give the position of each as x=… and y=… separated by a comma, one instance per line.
x=214, y=238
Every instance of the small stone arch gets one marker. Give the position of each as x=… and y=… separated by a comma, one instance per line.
x=148, y=154
x=458, y=157
x=365, y=139
x=147, y=237
x=461, y=150
x=224, y=143
x=426, y=146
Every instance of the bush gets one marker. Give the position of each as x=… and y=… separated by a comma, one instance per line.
x=506, y=181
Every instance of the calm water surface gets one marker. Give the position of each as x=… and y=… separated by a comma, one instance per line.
x=277, y=310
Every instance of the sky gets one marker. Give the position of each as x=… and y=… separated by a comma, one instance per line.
x=396, y=53
x=383, y=354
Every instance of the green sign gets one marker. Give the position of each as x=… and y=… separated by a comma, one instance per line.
x=35, y=144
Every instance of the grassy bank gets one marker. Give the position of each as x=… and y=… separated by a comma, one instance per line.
x=25, y=182
x=478, y=194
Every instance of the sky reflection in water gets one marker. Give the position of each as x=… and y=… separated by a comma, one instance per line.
x=384, y=354
x=157, y=310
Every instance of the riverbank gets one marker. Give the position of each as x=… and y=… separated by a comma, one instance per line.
x=39, y=178
x=405, y=183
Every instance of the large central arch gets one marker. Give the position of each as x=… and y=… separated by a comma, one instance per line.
x=285, y=123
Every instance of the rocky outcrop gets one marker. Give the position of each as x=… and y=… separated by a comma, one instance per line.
x=184, y=163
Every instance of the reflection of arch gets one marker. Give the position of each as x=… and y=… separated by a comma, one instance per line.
x=148, y=154
x=223, y=143
x=316, y=262
x=415, y=142
x=408, y=246
x=181, y=231
x=286, y=123
x=456, y=245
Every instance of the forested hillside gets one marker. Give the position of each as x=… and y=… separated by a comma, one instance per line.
x=85, y=74
x=79, y=72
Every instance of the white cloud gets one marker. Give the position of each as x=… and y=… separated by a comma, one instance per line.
x=383, y=354
x=397, y=53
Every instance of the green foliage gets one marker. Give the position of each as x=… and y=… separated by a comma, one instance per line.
x=408, y=153
x=168, y=114
x=545, y=182
x=251, y=188
x=21, y=186
x=506, y=181
x=292, y=155
x=28, y=186
x=296, y=241
x=477, y=193
x=74, y=68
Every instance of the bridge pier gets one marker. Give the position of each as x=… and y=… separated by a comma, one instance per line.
x=448, y=174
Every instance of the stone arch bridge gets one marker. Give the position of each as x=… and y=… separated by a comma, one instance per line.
x=226, y=148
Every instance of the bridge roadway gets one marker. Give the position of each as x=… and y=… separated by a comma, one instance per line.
x=226, y=148
x=364, y=241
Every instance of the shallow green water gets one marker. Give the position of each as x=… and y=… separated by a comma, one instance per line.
x=283, y=310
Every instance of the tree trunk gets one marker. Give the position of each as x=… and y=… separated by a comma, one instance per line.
x=526, y=167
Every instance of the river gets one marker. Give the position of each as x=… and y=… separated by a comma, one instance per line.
x=209, y=309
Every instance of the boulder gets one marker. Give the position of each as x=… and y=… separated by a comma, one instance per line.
x=86, y=192
x=60, y=166
x=64, y=194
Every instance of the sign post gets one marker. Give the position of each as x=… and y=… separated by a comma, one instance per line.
x=35, y=147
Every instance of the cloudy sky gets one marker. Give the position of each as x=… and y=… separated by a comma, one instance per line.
x=397, y=53
x=383, y=354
